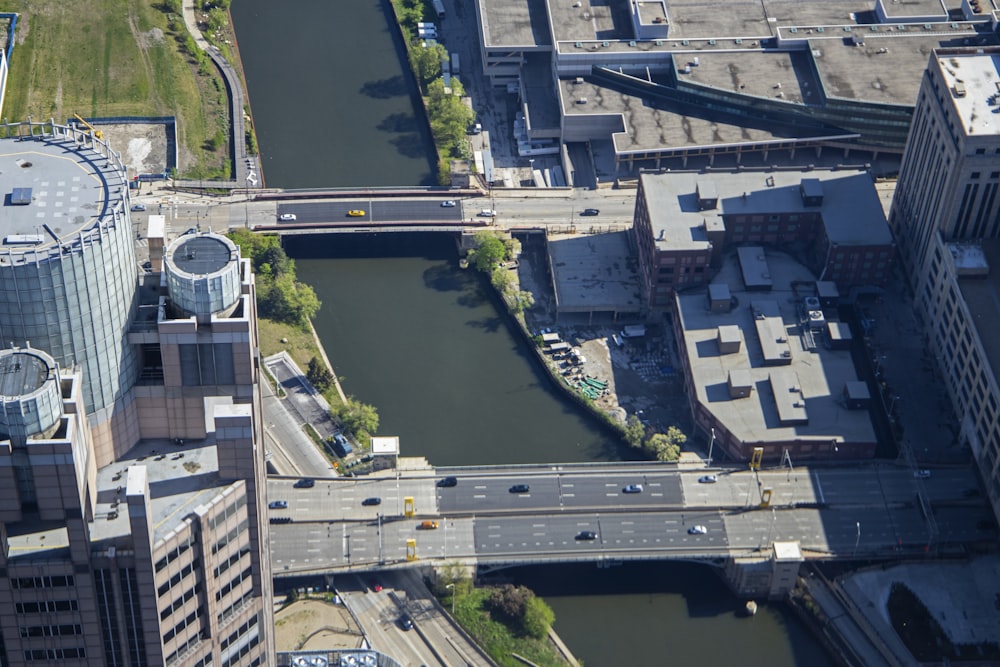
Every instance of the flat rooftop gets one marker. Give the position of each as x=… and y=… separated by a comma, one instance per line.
x=889, y=63
x=973, y=82
x=811, y=383
x=851, y=210
x=982, y=296
x=640, y=128
x=594, y=273
x=901, y=10
x=72, y=189
x=514, y=24
x=181, y=478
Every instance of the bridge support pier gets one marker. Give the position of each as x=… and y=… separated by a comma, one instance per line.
x=767, y=573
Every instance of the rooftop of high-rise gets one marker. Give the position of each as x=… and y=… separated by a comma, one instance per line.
x=972, y=77
x=55, y=187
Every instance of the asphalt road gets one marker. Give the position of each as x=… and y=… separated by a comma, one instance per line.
x=847, y=511
x=375, y=210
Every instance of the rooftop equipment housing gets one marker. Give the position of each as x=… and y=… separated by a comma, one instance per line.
x=203, y=276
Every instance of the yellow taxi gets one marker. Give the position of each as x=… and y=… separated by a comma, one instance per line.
x=356, y=213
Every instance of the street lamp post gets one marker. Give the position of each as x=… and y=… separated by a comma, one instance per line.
x=857, y=540
x=451, y=587
x=711, y=444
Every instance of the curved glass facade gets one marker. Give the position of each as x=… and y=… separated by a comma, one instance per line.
x=68, y=273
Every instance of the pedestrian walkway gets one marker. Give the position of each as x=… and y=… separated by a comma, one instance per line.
x=244, y=174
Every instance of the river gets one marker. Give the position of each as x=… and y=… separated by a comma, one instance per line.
x=412, y=334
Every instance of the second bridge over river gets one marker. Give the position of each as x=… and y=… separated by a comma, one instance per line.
x=612, y=512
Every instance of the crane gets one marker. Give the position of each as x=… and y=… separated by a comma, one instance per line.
x=93, y=130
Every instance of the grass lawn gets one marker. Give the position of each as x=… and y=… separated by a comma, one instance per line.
x=496, y=638
x=301, y=346
x=114, y=58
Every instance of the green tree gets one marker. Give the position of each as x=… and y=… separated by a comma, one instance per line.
x=456, y=575
x=427, y=62
x=489, y=252
x=287, y=300
x=449, y=117
x=667, y=446
x=508, y=602
x=319, y=375
x=502, y=280
x=634, y=431
x=538, y=617
x=357, y=417
x=218, y=18
x=520, y=301
x=274, y=256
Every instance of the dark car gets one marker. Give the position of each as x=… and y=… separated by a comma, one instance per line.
x=586, y=535
x=590, y=211
x=138, y=207
x=305, y=483
x=519, y=488
x=445, y=482
x=372, y=501
x=406, y=622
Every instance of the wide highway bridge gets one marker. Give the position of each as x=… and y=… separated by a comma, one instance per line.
x=582, y=512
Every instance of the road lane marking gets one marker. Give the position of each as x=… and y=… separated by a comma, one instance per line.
x=611, y=495
x=479, y=496
x=656, y=495
x=538, y=525
x=569, y=495
x=480, y=486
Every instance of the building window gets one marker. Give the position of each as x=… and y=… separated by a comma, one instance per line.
x=980, y=151
x=974, y=175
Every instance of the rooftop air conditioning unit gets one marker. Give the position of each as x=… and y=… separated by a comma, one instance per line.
x=578, y=79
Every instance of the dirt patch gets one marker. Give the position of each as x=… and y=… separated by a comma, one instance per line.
x=641, y=374
x=143, y=145
x=315, y=625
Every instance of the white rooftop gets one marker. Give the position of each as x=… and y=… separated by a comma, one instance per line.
x=974, y=90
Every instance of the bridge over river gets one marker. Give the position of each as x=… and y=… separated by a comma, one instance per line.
x=881, y=511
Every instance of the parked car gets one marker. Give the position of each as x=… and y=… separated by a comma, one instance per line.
x=487, y=213
x=519, y=488
x=287, y=217
x=375, y=585
x=278, y=505
x=633, y=488
x=590, y=211
x=341, y=445
x=586, y=535
x=708, y=479
x=374, y=500
x=448, y=204
x=697, y=530
x=445, y=482
x=305, y=483
x=356, y=213
x=922, y=474
x=138, y=207
x=406, y=622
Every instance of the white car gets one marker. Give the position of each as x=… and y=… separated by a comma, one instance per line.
x=633, y=488
x=448, y=204
x=287, y=217
x=708, y=479
x=488, y=213
x=922, y=474
x=697, y=530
